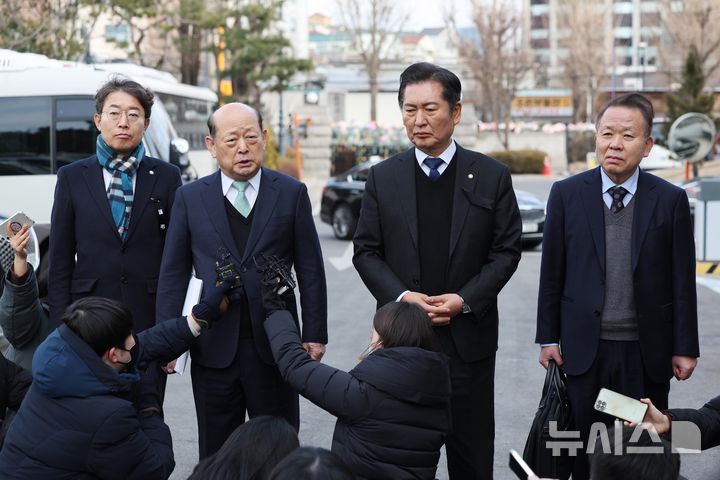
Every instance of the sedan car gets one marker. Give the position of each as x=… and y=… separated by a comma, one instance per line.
x=342, y=195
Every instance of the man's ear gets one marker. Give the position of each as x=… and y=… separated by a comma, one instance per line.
x=111, y=356
x=210, y=144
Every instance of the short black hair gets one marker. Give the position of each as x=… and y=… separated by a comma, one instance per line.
x=121, y=84
x=402, y=324
x=100, y=322
x=251, y=452
x=312, y=463
x=428, y=72
x=641, y=464
x=634, y=101
x=211, y=120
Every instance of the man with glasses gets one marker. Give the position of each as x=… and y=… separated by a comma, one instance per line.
x=91, y=410
x=111, y=210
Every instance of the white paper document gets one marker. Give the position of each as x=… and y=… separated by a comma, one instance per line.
x=192, y=297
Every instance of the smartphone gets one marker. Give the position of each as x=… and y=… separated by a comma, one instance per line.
x=518, y=465
x=16, y=222
x=620, y=406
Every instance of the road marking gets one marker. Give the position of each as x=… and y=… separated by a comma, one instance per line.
x=345, y=261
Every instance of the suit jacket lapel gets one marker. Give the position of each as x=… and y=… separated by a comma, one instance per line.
x=95, y=183
x=214, y=203
x=593, y=205
x=645, y=201
x=264, y=206
x=464, y=186
x=405, y=184
x=144, y=185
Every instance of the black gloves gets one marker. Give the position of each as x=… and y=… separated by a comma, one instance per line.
x=276, y=285
x=210, y=306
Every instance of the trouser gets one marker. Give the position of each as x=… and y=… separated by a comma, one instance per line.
x=618, y=366
x=470, y=444
x=224, y=395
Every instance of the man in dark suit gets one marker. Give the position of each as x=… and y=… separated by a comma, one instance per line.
x=110, y=212
x=617, y=278
x=440, y=227
x=236, y=215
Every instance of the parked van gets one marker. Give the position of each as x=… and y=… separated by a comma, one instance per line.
x=46, y=121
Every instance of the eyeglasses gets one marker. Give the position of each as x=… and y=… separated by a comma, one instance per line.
x=115, y=115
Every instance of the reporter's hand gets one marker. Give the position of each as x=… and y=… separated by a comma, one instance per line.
x=550, y=353
x=213, y=304
x=19, y=242
x=315, y=350
x=272, y=301
x=654, y=419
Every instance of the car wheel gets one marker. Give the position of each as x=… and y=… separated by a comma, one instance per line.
x=344, y=222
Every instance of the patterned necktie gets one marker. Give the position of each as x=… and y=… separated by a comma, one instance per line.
x=241, y=202
x=433, y=163
x=617, y=194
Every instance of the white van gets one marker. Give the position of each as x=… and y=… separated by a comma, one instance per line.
x=46, y=121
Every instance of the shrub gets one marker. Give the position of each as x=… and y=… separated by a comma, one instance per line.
x=521, y=161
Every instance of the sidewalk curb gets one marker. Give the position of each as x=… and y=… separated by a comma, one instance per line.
x=708, y=268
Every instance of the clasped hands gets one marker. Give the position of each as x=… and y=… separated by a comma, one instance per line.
x=440, y=308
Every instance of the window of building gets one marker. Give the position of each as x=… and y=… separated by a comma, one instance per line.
x=540, y=43
x=623, y=20
x=118, y=32
x=539, y=21
x=623, y=42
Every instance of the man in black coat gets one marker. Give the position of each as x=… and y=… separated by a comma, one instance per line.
x=440, y=227
x=111, y=210
x=14, y=384
x=617, y=277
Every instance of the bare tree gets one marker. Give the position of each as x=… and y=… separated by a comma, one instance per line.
x=692, y=24
x=498, y=58
x=50, y=27
x=586, y=65
x=373, y=25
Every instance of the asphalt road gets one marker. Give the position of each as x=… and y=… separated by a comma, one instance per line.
x=518, y=376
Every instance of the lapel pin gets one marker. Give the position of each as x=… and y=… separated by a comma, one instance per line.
x=152, y=172
x=470, y=176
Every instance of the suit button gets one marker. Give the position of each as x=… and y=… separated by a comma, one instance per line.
x=123, y=279
x=122, y=249
x=416, y=281
x=597, y=313
x=243, y=269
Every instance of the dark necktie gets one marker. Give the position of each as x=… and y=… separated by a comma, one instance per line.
x=617, y=194
x=433, y=163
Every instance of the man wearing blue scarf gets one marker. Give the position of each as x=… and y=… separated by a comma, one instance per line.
x=110, y=212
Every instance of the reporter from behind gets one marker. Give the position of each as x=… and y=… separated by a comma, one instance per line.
x=23, y=317
x=393, y=408
x=91, y=412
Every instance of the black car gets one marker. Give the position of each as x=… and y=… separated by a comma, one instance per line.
x=343, y=193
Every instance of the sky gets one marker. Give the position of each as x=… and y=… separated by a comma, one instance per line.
x=423, y=13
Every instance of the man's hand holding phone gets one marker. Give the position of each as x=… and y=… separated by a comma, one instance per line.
x=18, y=241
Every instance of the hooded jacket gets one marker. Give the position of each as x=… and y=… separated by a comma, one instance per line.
x=393, y=408
x=78, y=419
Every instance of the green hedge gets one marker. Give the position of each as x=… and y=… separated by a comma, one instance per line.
x=521, y=161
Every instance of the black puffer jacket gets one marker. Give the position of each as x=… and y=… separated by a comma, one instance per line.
x=14, y=383
x=392, y=408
